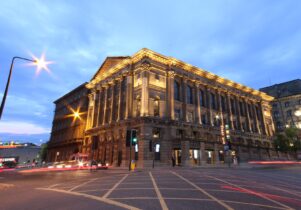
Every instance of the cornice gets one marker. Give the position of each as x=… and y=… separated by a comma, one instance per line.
x=173, y=62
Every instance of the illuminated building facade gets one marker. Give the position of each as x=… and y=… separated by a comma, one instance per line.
x=68, y=125
x=178, y=110
x=287, y=104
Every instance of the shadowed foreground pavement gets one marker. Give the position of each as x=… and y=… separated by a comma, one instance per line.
x=161, y=188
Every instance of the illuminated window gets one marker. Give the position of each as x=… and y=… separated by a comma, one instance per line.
x=138, y=107
x=189, y=117
x=156, y=132
x=156, y=108
x=157, y=148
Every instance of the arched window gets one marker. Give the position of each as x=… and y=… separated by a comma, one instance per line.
x=157, y=107
x=189, y=95
x=177, y=91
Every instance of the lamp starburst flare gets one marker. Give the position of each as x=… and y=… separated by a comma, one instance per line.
x=41, y=63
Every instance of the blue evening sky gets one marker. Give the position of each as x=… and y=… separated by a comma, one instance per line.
x=256, y=43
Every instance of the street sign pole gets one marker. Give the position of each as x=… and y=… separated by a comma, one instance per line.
x=130, y=160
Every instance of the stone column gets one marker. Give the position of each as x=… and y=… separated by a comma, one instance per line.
x=208, y=103
x=112, y=102
x=239, y=113
x=248, y=116
x=203, y=154
x=105, y=104
x=184, y=102
x=119, y=101
x=145, y=93
x=263, y=122
x=220, y=110
x=90, y=111
x=185, y=153
x=216, y=155
x=197, y=105
x=170, y=95
x=230, y=111
x=144, y=156
x=124, y=162
x=98, y=107
x=129, y=96
x=256, y=119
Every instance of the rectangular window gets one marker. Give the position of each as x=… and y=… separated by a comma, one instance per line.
x=223, y=103
x=204, y=121
x=156, y=132
x=289, y=113
x=287, y=104
x=179, y=133
x=189, y=95
x=189, y=116
x=241, y=107
x=276, y=114
x=233, y=110
x=202, y=99
x=177, y=114
x=212, y=100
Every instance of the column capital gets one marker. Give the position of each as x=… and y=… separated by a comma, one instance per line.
x=171, y=74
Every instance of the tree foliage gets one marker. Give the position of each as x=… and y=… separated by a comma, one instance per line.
x=43, y=151
x=289, y=140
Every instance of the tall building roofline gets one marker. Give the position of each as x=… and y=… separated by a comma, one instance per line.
x=144, y=52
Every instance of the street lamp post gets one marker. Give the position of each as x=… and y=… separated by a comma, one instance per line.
x=8, y=80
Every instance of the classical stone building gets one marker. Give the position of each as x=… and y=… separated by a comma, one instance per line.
x=178, y=110
x=287, y=103
x=69, y=124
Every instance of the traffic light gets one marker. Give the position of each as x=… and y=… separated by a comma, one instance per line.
x=131, y=135
x=134, y=137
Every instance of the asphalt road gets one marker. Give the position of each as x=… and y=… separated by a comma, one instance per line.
x=161, y=188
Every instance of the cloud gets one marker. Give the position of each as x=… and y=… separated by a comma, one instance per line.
x=18, y=127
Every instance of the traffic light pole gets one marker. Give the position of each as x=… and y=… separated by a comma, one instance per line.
x=130, y=160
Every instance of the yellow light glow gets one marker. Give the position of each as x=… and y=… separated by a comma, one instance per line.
x=76, y=114
x=298, y=113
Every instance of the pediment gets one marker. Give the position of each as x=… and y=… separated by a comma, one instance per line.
x=108, y=63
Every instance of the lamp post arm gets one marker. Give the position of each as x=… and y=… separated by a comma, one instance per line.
x=8, y=82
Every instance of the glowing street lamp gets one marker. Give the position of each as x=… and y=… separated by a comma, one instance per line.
x=40, y=63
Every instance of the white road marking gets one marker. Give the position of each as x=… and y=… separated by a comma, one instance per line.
x=115, y=186
x=82, y=184
x=205, y=192
x=159, y=195
x=54, y=185
x=260, y=195
x=198, y=199
x=105, y=200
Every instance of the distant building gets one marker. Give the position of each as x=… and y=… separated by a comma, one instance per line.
x=178, y=111
x=24, y=153
x=68, y=125
x=286, y=106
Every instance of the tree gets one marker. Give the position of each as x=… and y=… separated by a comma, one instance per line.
x=43, y=152
x=289, y=140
